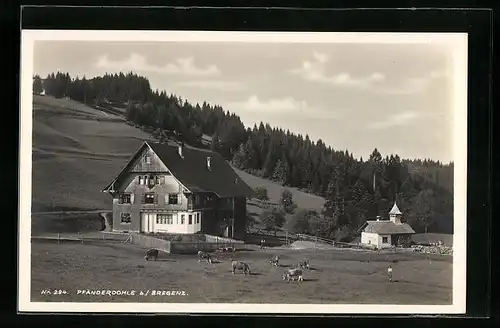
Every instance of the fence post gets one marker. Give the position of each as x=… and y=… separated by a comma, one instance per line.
x=82, y=239
x=58, y=237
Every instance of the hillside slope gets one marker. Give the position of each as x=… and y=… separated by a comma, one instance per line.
x=77, y=150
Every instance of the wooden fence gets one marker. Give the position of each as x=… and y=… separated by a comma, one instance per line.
x=61, y=238
x=150, y=242
x=194, y=247
x=321, y=240
x=221, y=240
x=211, y=243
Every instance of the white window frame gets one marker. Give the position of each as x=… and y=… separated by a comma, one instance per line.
x=129, y=217
x=172, y=203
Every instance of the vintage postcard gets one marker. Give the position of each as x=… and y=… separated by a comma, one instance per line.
x=242, y=172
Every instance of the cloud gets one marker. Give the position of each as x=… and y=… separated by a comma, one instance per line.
x=214, y=85
x=322, y=58
x=135, y=62
x=287, y=105
x=399, y=119
x=412, y=85
x=315, y=71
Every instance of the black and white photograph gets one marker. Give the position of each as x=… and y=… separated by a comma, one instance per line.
x=231, y=172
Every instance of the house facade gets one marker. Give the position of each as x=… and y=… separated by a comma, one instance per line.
x=173, y=189
x=386, y=233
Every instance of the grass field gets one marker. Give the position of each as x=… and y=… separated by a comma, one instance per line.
x=335, y=276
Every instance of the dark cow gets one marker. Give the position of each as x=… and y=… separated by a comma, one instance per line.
x=239, y=265
x=291, y=274
x=204, y=255
x=274, y=260
x=304, y=264
x=152, y=253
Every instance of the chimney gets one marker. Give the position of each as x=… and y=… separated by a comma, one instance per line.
x=180, y=151
x=208, y=163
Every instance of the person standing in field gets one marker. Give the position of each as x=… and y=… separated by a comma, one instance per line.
x=389, y=273
x=262, y=241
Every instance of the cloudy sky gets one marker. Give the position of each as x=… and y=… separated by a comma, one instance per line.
x=394, y=97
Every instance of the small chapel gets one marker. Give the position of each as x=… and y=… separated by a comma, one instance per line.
x=382, y=233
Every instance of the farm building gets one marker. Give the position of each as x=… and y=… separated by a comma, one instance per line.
x=385, y=233
x=174, y=189
x=206, y=140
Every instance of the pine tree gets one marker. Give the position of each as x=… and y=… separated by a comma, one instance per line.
x=279, y=173
x=286, y=201
x=214, y=146
x=241, y=157
x=37, y=85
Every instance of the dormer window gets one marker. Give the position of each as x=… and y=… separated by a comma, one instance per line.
x=151, y=181
x=147, y=159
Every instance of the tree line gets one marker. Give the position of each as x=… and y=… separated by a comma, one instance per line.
x=355, y=189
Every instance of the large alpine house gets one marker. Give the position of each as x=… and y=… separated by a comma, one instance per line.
x=175, y=189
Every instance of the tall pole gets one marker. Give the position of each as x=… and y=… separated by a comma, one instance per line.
x=232, y=225
x=316, y=238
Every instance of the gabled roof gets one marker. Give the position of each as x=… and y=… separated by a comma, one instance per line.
x=387, y=227
x=395, y=210
x=192, y=171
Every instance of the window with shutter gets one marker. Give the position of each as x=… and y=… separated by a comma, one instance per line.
x=156, y=198
x=179, y=199
x=132, y=196
x=141, y=180
x=166, y=199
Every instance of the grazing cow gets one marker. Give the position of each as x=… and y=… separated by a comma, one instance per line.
x=239, y=265
x=228, y=249
x=274, y=260
x=204, y=255
x=291, y=274
x=152, y=253
x=304, y=264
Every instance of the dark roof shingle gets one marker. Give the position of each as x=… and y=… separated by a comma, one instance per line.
x=387, y=228
x=192, y=171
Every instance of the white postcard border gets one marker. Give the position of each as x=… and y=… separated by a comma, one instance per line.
x=456, y=40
